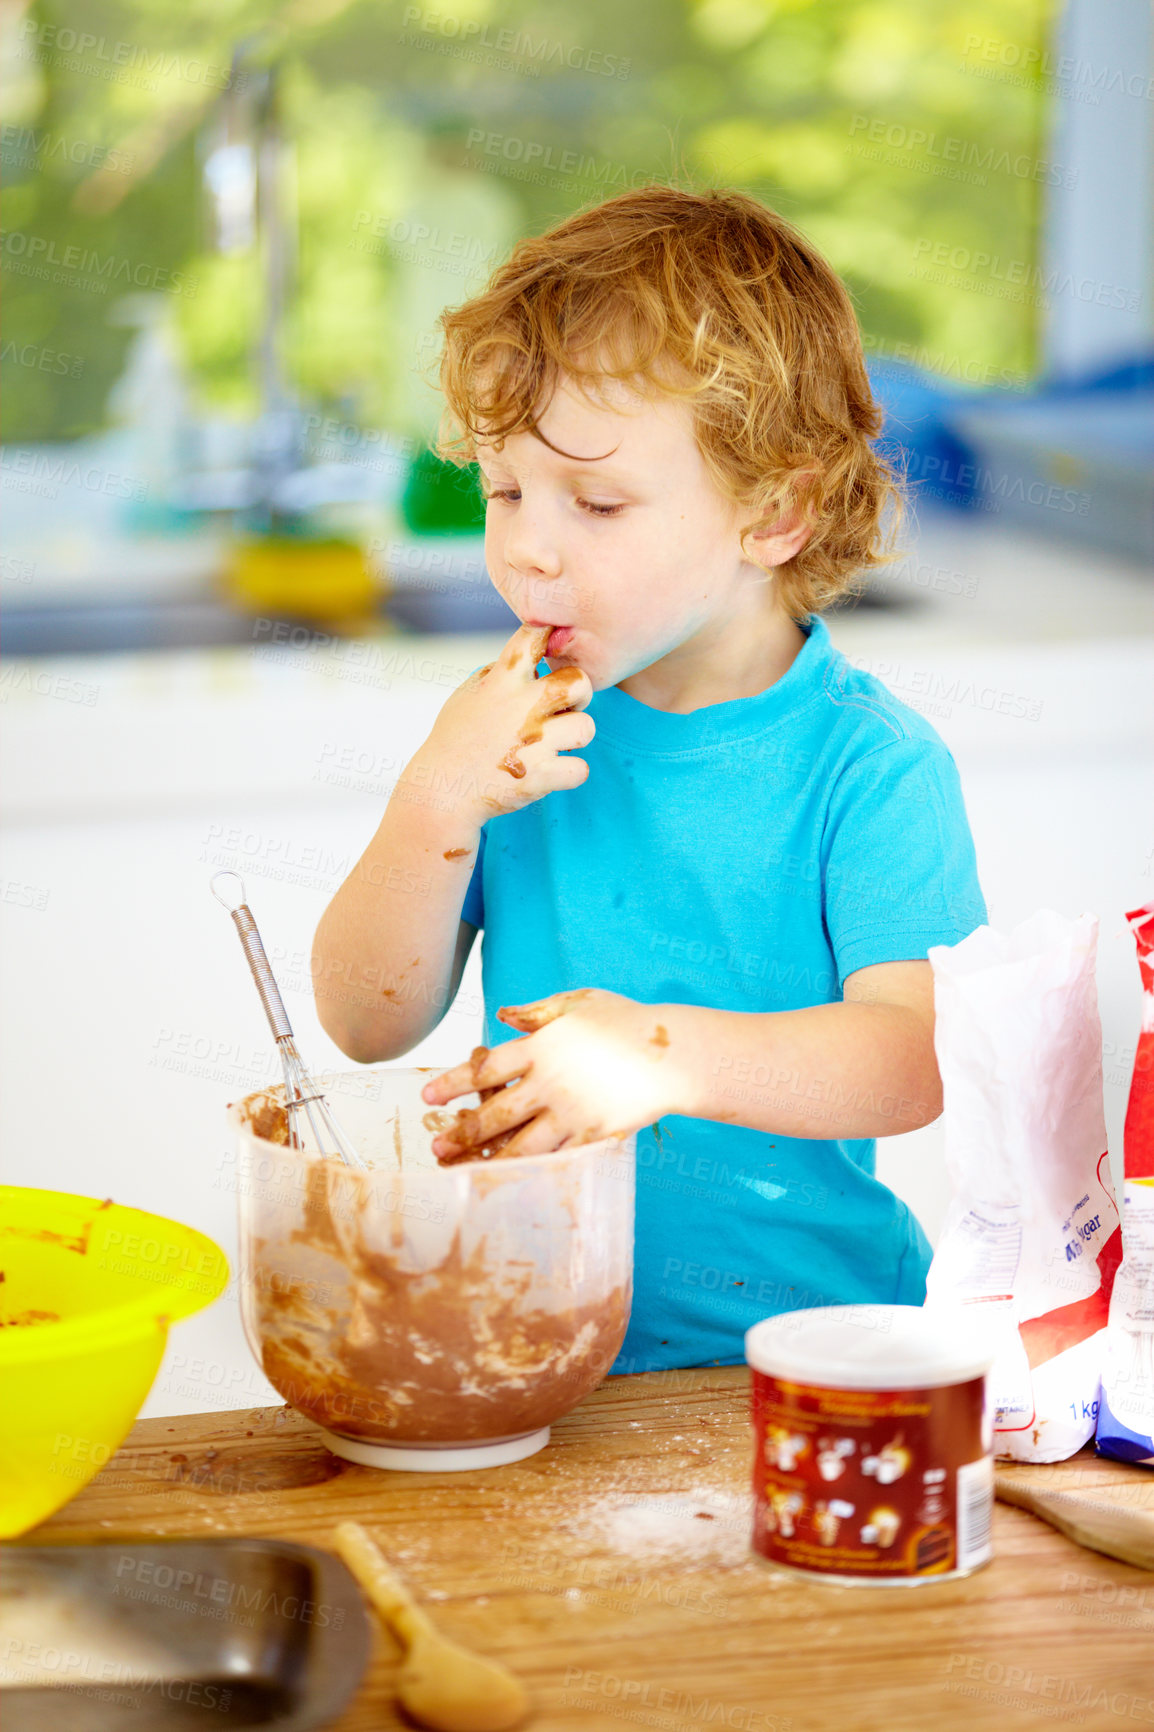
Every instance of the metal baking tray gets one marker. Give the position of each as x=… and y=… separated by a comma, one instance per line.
x=177, y=1635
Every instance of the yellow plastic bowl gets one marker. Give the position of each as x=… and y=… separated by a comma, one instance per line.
x=88, y=1291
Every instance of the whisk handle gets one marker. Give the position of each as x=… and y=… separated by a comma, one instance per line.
x=262, y=972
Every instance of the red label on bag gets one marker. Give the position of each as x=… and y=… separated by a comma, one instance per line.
x=872, y=1484
x=1138, y=1134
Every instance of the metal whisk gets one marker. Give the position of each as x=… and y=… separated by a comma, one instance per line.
x=301, y=1092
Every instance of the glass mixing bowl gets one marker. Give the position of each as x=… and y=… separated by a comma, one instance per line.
x=429, y=1317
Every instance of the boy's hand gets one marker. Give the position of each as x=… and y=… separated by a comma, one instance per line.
x=592, y=1064
x=496, y=741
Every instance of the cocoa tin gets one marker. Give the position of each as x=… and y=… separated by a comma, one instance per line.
x=872, y=1444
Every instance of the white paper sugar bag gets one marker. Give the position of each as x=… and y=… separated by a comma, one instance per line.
x=1032, y=1235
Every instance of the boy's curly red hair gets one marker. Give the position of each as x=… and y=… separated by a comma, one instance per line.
x=706, y=296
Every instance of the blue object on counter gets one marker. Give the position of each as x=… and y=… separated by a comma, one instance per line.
x=935, y=460
x=1117, y=1440
x=1071, y=456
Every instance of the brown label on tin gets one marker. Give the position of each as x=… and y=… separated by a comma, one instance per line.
x=873, y=1483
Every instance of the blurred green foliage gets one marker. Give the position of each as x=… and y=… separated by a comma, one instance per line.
x=441, y=499
x=883, y=127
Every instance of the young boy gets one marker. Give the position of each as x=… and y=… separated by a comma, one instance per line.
x=712, y=928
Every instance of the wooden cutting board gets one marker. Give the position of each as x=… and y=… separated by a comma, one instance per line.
x=612, y=1572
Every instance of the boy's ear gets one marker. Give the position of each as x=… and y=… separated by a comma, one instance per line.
x=778, y=542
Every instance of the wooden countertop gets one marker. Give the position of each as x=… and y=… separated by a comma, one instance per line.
x=590, y=1570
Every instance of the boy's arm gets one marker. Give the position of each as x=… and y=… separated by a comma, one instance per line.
x=594, y=1064
x=863, y=1068
x=391, y=947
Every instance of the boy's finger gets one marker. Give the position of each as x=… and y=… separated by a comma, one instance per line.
x=540, y=1136
x=563, y=689
x=534, y=1016
x=500, y=1065
x=525, y=649
x=476, y=1126
x=458, y=1081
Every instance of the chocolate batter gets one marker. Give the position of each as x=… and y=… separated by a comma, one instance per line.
x=268, y=1118
x=463, y=1352
x=442, y=1358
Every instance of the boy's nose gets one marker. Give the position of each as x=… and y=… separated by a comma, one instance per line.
x=531, y=552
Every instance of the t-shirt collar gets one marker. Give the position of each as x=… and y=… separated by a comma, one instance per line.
x=624, y=718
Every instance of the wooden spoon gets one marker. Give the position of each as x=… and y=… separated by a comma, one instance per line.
x=1100, y=1526
x=441, y=1685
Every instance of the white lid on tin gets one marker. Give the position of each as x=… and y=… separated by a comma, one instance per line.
x=872, y=1346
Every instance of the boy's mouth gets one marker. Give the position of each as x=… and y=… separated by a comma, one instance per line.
x=559, y=637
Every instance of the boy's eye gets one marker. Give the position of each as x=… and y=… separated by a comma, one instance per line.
x=510, y=493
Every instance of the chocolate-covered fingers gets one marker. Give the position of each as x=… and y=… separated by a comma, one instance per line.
x=568, y=730
x=524, y=649
x=471, y=1136
x=566, y=689
x=531, y=1017
x=485, y=1069
x=541, y=1136
x=501, y=1109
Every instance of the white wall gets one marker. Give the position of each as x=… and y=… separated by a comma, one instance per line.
x=1098, y=79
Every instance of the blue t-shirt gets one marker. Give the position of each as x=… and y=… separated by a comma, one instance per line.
x=749, y=856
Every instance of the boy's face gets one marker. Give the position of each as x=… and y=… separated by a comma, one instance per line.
x=633, y=546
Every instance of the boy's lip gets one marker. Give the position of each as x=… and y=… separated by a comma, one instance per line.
x=564, y=632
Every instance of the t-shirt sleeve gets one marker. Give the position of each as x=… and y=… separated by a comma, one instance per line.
x=473, y=907
x=899, y=871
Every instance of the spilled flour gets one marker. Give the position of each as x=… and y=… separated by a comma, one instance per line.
x=696, y=1526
